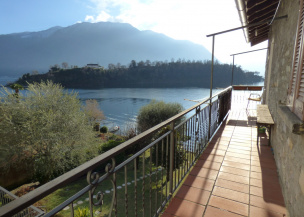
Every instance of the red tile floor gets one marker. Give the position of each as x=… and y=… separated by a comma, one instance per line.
x=233, y=177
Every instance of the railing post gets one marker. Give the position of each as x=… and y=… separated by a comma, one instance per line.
x=211, y=83
x=171, y=160
x=232, y=70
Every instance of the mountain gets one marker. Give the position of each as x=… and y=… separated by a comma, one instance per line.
x=82, y=43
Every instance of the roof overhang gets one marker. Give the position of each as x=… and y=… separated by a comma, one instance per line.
x=256, y=11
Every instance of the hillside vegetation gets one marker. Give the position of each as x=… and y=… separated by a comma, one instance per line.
x=145, y=74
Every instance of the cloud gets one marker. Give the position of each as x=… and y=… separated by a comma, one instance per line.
x=183, y=20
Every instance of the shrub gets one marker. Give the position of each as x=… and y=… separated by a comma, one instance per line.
x=82, y=212
x=112, y=144
x=104, y=129
x=46, y=128
x=155, y=113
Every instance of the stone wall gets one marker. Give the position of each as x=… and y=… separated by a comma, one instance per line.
x=288, y=147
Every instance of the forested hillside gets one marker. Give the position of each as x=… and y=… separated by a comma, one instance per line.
x=146, y=74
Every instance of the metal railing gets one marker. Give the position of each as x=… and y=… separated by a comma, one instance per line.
x=143, y=182
x=241, y=94
x=7, y=197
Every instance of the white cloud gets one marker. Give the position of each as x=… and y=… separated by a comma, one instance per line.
x=184, y=20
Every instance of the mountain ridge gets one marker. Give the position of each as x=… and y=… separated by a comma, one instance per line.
x=103, y=43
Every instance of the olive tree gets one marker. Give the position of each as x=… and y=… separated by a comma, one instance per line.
x=46, y=128
x=151, y=115
x=155, y=113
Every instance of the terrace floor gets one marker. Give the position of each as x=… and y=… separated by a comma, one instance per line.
x=233, y=177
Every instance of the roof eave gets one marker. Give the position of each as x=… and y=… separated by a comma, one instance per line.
x=243, y=17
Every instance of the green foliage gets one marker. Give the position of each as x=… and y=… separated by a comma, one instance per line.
x=112, y=144
x=46, y=129
x=94, y=113
x=163, y=160
x=83, y=212
x=178, y=73
x=155, y=113
x=104, y=129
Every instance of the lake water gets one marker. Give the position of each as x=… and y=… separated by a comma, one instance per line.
x=121, y=105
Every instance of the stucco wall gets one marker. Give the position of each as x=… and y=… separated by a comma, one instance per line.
x=288, y=147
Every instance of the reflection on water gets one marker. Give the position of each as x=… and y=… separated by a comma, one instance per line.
x=121, y=105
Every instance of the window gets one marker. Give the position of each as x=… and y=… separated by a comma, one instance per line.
x=295, y=98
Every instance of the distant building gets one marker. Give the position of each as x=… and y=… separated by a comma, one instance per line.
x=96, y=66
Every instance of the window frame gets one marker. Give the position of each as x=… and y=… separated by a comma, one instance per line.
x=295, y=96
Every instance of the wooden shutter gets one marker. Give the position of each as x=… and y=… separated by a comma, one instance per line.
x=295, y=98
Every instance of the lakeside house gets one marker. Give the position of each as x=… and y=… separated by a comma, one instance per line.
x=93, y=65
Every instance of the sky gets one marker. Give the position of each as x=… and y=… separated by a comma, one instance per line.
x=179, y=19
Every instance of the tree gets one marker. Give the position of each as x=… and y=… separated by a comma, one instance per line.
x=65, y=65
x=35, y=72
x=46, y=129
x=16, y=87
x=155, y=113
x=94, y=113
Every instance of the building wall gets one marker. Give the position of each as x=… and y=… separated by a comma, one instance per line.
x=288, y=147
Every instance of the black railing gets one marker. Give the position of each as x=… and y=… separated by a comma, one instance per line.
x=142, y=184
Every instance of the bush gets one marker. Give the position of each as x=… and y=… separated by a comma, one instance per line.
x=112, y=144
x=155, y=113
x=104, y=129
x=47, y=128
x=83, y=212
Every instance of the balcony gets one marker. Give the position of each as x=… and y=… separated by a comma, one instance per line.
x=202, y=162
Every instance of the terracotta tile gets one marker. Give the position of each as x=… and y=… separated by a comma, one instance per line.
x=256, y=211
x=204, y=172
x=198, y=182
x=238, y=151
x=210, y=157
x=264, y=171
x=232, y=185
x=232, y=154
x=215, y=152
x=236, y=165
x=218, y=147
x=243, y=138
x=240, y=147
x=208, y=164
x=215, y=212
x=268, y=194
x=243, y=144
x=234, y=178
x=264, y=176
x=193, y=194
x=235, y=171
x=231, y=194
x=236, y=159
x=233, y=206
x=270, y=165
x=263, y=158
x=181, y=207
x=270, y=183
x=267, y=205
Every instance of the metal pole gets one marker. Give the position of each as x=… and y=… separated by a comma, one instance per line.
x=171, y=164
x=232, y=70
x=211, y=83
x=250, y=25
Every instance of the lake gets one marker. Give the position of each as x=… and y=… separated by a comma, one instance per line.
x=121, y=105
